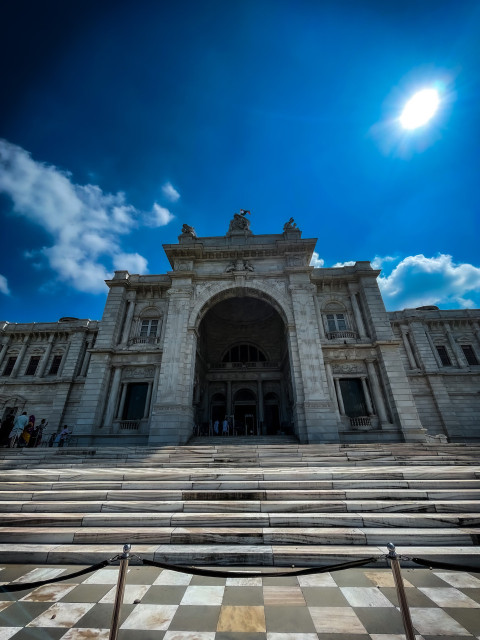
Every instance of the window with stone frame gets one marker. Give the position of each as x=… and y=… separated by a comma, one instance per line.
x=336, y=317
x=55, y=366
x=336, y=322
x=9, y=366
x=469, y=354
x=32, y=366
x=149, y=327
x=444, y=357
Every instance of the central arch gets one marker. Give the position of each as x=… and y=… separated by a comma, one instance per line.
x=242, y=361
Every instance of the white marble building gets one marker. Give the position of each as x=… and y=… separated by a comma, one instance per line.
x=242, y=326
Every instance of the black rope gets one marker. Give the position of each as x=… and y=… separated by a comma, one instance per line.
x=259, y=574
x=433, y=564
x=21, y=586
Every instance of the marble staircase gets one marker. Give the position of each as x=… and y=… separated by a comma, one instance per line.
x=253, y=503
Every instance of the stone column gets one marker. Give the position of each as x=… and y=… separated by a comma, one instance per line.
x=172, y=415
x=112, y=398
x=476, y=328
x=330, y=382
x=128, y=319
x=229, y=398
x=408, y=349
x=433, y=348
x=321, y=328
x=121, y=404
x=86, y=361
x=357, y=313
x=377, y=393
x=366, y=393
x=147, y=401
x=462, y=363
x=20, y=357
x=260, y=400
x=64, y=359
x=315, y=416
x=4, y=350
x=339, y=396
x=46, y=356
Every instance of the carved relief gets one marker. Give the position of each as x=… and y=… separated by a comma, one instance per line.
x=348, y=368
x=139, y=372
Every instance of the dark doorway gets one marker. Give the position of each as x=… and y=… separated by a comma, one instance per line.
x=353, y=398
x=135, y=401
x=271, y=414
x=219, y=408
x=245, y=419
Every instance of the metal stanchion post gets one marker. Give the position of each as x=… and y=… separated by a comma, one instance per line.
x=402, y=596
x=122, y=576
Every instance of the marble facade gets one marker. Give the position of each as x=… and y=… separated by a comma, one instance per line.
x=243, y=326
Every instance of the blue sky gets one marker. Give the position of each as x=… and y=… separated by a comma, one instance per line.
x=120, y=121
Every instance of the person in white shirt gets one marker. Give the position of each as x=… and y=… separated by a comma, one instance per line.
x=225, y=427
x=18, y=427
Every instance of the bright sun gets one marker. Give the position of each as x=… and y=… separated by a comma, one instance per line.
x=420, y=109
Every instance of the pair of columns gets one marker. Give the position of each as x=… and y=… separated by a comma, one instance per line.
x=259, y=399
x=376, y=391
x=112, y=403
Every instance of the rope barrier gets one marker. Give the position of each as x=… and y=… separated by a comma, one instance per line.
x=259, y=574
x=433, y=564
x=12, y=588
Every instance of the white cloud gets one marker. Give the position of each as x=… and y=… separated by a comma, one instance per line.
x=4, y=286
x=316, y=261
x=378, y=261
x=85, y=223
x=417, y=281
x=170, y=192
x=158, y=217
x=349, y=263
x=133, y=262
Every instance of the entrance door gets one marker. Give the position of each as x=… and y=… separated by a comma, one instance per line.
x=245, y=419
x=353, y=398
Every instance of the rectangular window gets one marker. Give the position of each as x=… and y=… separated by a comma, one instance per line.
x=444, y=357
x=469, y=354
x=9, y=366
x=342, y=325
x=331, y=322
x=135, y=400
x=55, y=366
x=148, y=328
x=32, y=366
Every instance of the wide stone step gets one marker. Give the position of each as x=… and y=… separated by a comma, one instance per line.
x=230, y=474
x=241, y=496
x=355, y=487
x=234, y=506
x=227, y=536
x=253, y=519
x=236, y=555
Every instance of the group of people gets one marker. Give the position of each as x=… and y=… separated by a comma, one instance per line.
x=24, y=431
x=225, y=427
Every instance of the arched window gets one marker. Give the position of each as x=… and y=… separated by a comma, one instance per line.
x=245, y=395
x=244, y=353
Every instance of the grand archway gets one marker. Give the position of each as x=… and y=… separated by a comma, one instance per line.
x=242, y=369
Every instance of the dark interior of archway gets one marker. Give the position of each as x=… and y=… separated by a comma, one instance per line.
x=241, y=320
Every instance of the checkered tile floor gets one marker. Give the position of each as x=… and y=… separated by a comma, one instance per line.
x=358, y=604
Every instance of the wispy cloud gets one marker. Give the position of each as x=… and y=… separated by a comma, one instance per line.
x=85, y=223
x=349, y=263
x=170, y=192
x=417, y=280
x=4, y=285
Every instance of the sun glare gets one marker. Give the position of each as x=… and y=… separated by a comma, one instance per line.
x=420, y=109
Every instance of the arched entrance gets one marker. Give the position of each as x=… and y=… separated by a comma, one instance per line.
x=243, y=367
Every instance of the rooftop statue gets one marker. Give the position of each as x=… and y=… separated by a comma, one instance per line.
x=188, y=230
x=289, y=225
x=240, y=221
